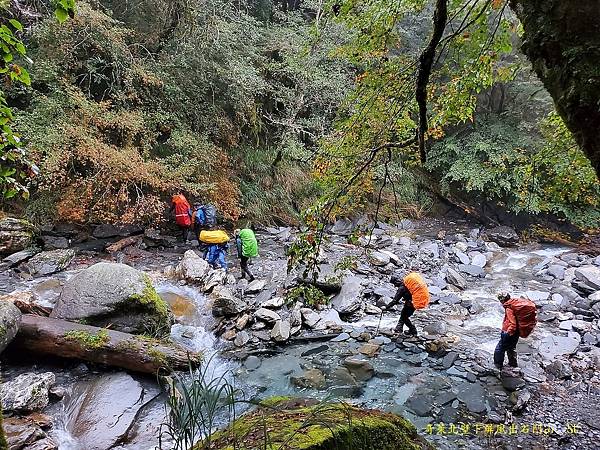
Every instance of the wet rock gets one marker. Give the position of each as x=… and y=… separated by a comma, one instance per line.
x=154, y=238
x=315, y=350
x=266, y=315
x=360, y=369
x=473, y=396
x=225, y=303
x=106, y=409
x=420, y=404
x=560, y=369
x=470, y=269
x=556, y=271
x=478, y=259
x=502, y=235
x=380, y=340
x=552, y=346
x=242, y=321
x=24, y=433
x=342, y=227
x=311, y=379
x=449, y=359
x=369, y=349
x=19, y=257
x=15, y=235
x=349, y=300
x=252, y=362
x=255, y=286
x=229, y=335
x=281, y=331
x=215, y=278
x=456, y=279
x=341, y=337
x=436, y=328
x=275, y=302
x=372, y=309
x=27, y=392
x=241, y=339
x=115, y=294
x=385, y=302
x=10, y=319
x=47, y=263
x=192, y=268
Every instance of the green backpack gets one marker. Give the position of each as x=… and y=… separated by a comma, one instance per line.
x=249, y=244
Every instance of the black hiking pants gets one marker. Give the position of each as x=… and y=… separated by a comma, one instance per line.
x=244, y=266
x=407, y=311
x=507, y=345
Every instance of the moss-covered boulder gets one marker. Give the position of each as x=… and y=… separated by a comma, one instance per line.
x=290, y=424
x=117, y=295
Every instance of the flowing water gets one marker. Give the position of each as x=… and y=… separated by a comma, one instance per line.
x=397, y=380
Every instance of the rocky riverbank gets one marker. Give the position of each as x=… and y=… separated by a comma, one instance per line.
x=279, y=344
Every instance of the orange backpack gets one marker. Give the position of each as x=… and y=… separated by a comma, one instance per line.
x=418, y=290
x=525, y=313
x=182, y=210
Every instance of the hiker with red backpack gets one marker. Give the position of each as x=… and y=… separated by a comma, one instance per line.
x=182, y=211
x=520, y=318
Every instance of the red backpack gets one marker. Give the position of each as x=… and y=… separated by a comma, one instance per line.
x=182, y=211
x=525, y=313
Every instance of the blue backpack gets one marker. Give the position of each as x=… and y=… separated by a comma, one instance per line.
x=200, y=216
x=210, y=214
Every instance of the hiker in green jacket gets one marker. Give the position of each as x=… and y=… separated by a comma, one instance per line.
x=247, y=247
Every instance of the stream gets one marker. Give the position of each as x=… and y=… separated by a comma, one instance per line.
x=407, y=379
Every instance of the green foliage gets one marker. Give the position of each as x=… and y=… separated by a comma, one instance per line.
x=310, y=295
x=305, y=248
x=88, y=340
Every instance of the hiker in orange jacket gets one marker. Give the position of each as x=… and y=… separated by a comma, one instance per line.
x=181, y=209
x=415, y=293
x=520, y=318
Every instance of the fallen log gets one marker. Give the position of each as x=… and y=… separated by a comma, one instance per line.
x=123, y=243
x=57, y=337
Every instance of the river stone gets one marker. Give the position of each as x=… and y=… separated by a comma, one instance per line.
x=590, y=276
x=473, y=396
x=436, y=328
x=474, y=271
x=478, y=259
x=113, y=294
x=456, y=279
x=275, y=302
x=462, y=257
x=255, y=286
x=537, y=296
x=576, y=324
x=15, y=235
x=560, y=369
x=341, y=337
x=252, y=362
x=192, y=267
x=552, y=346
x=310, y=318
x=19, y=257
x=502, y=235
x=379, y=258
x=106, y=409
x=27, y=392
x=10, y=319
x=511, y=383
x=266, y=315
x=369, y=349
x=449, y=359
x=281, y=331
x=311, y=378
x=420, y=404
x=55, y=242
x=105, y=231
x=361, y=370
x=225, y=303
x=349, y=300
x=372, y=309
x=241, y=339
x=342, y=227
x=556, y=271
x=24, y=433
x=47, y=263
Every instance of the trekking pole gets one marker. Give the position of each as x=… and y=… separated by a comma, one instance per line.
x=379, y=324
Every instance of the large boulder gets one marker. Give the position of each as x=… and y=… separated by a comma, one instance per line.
x=10, y=318
x=349, y=300
x=342, y=227
x=587, y=279
x=338, y=425
x=15, y=235
x=49, y=262
x=27, y=392
x=192, y=268
x=224, y=303
x=502, y=235
x=117, y=295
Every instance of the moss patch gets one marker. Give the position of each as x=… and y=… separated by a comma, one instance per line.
x=88, y=340
x=284, y=423
x=151, y=301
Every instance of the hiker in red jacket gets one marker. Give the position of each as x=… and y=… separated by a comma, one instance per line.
x=520, y=317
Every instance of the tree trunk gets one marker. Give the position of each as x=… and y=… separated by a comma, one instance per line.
x=98, y=345
x=562, y=41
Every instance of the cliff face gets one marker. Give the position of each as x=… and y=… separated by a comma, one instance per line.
x=562, y=40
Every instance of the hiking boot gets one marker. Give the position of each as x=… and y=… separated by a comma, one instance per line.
x=412, y=332
x=251, y=279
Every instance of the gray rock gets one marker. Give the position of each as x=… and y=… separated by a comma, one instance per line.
x=15, y=235
x=502, y=235
x=109, y=231
x=449, y=359
x=255, y=286
x=456, y=279
x=379, y=258
x=310, y=318
x=511, y=383
x=576, y=325
x=192, y=268
x=311, y=378
x=113, y=294
x=349, y=300
x=19, y=257
x=473, y=396
x=225, y=303
x=47, y=263
x=109, y=407
x=252, y=362
x=590, y=276
x=27, y=392
x=361, y=370
x=275, y=302
x=241, y=339
x=462, y=257
x=478, y=259
x=215, y=277
x=590, y=338
x=341, y=337
x=560, y=369
x=342, y=227
x=421, y=404
x=552, y=346
x=10, y=319
x=474, y=271
x=55, y=242
x=385, y=302
x=281, y=331
x=537, y=296
x=266, y=315
x=556, y=271
x=436, y=328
